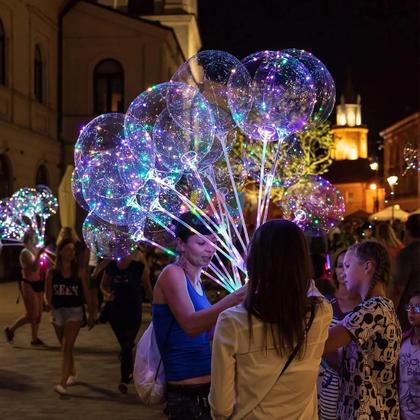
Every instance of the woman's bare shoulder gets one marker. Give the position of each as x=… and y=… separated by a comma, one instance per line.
x=171, y=272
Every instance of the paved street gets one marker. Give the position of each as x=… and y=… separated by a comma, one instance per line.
x=27, y=374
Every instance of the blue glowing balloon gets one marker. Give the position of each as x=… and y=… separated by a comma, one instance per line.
x=324, y=83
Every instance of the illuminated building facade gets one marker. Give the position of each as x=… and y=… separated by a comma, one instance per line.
x=352, y=172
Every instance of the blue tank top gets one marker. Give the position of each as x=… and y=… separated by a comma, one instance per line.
x=183, y=357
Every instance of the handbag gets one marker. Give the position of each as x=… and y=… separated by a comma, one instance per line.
x=149, y=373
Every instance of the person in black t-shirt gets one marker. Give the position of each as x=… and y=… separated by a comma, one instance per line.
x=122, y=289
x=66, y=289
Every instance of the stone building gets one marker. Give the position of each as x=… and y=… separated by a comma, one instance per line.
x=396, y=138
x=63, y=62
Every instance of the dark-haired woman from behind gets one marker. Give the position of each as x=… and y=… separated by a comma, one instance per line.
x=267, y=351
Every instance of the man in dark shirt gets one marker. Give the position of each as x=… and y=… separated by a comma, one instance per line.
x=406, y=278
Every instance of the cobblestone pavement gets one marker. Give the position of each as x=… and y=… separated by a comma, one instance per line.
x=27, y=374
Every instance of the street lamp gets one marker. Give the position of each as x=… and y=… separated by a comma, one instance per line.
x=392, y=180
x=374, y=187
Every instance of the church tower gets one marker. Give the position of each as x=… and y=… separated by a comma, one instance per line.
x=349, y=132
x=351, y=171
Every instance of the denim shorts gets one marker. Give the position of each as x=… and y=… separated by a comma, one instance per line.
x=62, y=315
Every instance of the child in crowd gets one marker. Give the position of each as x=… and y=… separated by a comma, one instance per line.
x=410, y=363
x=371, y=337
x=342, y=301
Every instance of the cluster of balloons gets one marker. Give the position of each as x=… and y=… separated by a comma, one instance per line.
x=136, y=173
x=27, y=208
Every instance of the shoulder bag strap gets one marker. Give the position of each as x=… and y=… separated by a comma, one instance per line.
x=289, y=360
x=299, y=345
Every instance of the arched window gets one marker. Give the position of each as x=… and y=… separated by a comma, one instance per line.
x=2, y=55
x=41, y=177
x=108, y=87
x=38, y=75
x=5, y=178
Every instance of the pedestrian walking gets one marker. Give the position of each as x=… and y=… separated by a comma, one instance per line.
x=31, y=288
x=66, y=291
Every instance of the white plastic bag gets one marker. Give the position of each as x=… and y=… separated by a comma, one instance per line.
x=150, y=387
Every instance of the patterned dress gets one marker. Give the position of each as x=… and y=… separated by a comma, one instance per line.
x=369, y=385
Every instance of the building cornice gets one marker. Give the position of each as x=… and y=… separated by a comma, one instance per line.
x=406, y=121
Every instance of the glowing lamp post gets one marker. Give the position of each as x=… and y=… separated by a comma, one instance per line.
x=392, y=180
x=374, y=187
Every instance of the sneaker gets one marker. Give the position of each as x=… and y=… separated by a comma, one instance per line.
x=71, y=380
x=37, y=342
x=59, y=389
x=123, y=388
x=10, y=335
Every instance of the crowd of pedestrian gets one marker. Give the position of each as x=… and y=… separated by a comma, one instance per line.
x=324, y=328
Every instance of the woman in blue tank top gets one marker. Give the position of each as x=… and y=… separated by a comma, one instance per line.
x=182, y=319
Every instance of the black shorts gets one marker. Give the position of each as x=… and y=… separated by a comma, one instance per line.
x=187, y=402
x=37, y=286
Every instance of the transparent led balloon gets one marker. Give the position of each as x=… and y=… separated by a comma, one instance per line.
x=77, y=188
x=222, y=80
x=27, y=208
x=178, y=149
x=107, y=240
x=48, y=202
x=103, y=188
x=188, y=106
x=103, y=133
x=283, y=96
x=314, y=204
x=172, y=139
x=323, y=82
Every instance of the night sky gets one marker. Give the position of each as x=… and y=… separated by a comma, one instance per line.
x=375, y=41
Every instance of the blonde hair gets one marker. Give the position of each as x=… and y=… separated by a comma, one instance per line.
x=385, y=234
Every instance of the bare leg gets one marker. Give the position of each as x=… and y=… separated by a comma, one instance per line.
x=59, y=332
x=71, y=330
x=30, y=308
x=19, y=323
x=37, y=313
